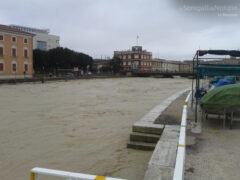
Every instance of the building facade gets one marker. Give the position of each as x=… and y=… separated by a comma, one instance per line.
x=99, y=64
x=135, y=59
x=157, y=64
x=141, y=60
x=185, y=67
x=16, y=53
x=169, y=66
x=42, y=39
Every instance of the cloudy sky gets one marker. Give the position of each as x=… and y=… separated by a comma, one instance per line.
x=170, y=29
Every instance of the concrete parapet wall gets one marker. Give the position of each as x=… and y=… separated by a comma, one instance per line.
x=162, y=163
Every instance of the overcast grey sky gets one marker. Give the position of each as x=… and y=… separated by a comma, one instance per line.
x=170, y=29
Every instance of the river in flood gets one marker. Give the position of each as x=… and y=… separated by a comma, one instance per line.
x=80, y=125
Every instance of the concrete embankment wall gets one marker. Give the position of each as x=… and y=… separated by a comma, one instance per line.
x=162, y=163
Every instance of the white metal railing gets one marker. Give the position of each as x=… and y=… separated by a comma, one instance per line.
x=64, y=174
x=179, y=166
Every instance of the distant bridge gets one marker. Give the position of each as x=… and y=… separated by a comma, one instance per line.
x=158, y=73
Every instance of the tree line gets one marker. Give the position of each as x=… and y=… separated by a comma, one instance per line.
x=60, y=58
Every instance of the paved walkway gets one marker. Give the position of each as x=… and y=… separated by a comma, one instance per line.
x=215, y=153
x=172, y=115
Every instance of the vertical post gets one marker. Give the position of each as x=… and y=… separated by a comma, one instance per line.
x=224, y=120
x=197, y=89
x=192, y=80
x=231, y=120
x=32, y=176
x=16, y=74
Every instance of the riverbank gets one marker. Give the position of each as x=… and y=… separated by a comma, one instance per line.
x=93, y=76
x=46, y=79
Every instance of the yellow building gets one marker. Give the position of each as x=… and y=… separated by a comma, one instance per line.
x=16, y=53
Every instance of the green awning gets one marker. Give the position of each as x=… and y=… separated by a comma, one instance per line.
x=230, y=70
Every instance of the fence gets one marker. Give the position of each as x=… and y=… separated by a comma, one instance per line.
x=179, y=166
x=64, y=174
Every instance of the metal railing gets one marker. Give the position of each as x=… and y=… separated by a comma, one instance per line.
x=180, y=160
x=67, y=175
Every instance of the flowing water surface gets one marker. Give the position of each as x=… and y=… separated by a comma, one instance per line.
x=81, y=125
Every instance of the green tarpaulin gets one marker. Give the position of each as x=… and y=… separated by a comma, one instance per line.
x=222, y=99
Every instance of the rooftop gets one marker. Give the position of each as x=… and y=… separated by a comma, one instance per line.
x=135, y=49
x=30, y=29
x=11, y=29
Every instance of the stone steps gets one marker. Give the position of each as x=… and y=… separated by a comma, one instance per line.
x=148, y=128
x=141, y=145
x=143, y=137
x=145, y=134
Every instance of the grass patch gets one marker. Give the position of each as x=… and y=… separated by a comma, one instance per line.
x=191, y=170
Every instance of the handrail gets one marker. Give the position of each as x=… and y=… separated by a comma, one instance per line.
x=179, y=166
x=65, y=174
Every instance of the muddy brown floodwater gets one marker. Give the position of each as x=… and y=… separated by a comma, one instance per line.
x=81, y=126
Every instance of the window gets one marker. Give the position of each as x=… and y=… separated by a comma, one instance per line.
x=25, y=40
x=129, y=63
x=124, y=57
x=25, y=53
x=1, y=51
x=136, y=56
x=25, y=68
x=1, y=66
x=14, y=39
x=14, y=67
x=129, y=56
x=42, y=45
x=124, y=63
x=14, y=51
x=1, y=37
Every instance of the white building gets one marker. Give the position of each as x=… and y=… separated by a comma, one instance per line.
x=42, y=39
